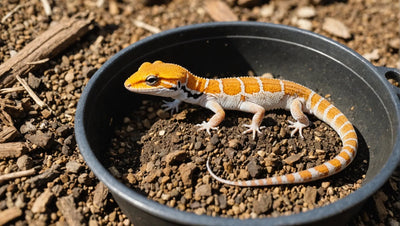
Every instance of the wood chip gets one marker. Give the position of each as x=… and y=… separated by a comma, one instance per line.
x=219, y=11
x=66, y=205
x=9, y=214
x=293, y=158
x=8, y=134
x=12, y=149
x=46, y=45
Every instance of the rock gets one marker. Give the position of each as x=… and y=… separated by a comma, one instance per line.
x=293, y=158
x=198, y=145
x=234, y=144
x=24, y=162
x=84, y=179
x=243, y=174
x=374, y=55
x=394, y=43
x=41, y=202
x=214, y=139
x=253, y=168
x=222, y=201
x=33, y=81
x=73, y=167
x=267, y=10
x=304, y=24
x=153, y=175
x=66, y=206
x=63, y=130
x=28, y=127
x=69, y=77
x=306, y=12
x=41, y=139
x=230, y=152
x=380, y=198
x=263, y=203
x=176, y=157
x=310, y=195
x=203, y=190
x=46, y=113
x=187, y=172
x=336, y=28
x=88, y=71
x=100, y=196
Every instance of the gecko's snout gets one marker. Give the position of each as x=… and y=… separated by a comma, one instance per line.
x=127, y=84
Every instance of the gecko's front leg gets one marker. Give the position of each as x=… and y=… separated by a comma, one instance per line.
x=301, y=119
x=171, y=105
x=258, y=112
x=216, y=119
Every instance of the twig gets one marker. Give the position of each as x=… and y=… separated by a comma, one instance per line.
x=12, y=89
x=148, y=27
x=18, y=174
x=46, y=6
x=5, y=17
x=38, y=61
x=32, y=93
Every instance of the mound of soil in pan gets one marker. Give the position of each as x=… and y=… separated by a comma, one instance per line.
x=164, y=158
x=59, y=188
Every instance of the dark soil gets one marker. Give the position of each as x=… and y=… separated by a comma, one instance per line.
x=61, y=188
x=167, y=164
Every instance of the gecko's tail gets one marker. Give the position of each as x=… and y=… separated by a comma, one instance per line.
x=346, y=155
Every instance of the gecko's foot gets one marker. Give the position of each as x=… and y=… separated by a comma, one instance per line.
x=207, y=127
x=171, y=105
x=253, y=129
x=297, y=127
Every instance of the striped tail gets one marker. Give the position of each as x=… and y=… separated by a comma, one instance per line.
x=328, y=113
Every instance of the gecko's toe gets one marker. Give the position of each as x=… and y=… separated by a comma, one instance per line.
x=297, y=127
x=253, y=129
x=207, y=127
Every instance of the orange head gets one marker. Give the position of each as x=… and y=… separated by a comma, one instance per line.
x=158, y=78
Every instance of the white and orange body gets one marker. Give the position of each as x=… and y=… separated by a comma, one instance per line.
x=254, y=95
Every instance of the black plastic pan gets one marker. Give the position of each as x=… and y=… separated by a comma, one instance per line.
x=235, y=48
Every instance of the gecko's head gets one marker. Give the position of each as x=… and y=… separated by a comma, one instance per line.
x=158, y=78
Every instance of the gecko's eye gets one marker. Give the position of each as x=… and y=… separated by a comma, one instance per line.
x=151, y=80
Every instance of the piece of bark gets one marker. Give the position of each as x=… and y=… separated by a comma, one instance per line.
x=45, y=177
x=12, y=149
x=8, y=134
x=47, y=45
x=9, y=214
x=219, y=11
x=67, y=207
